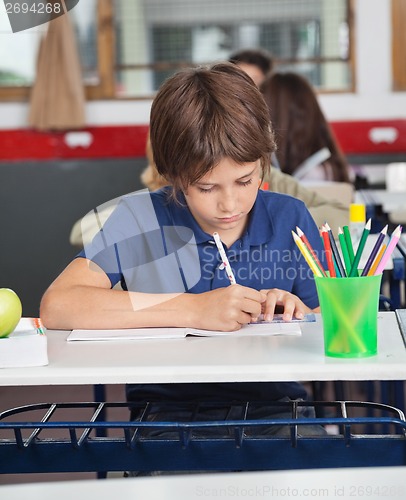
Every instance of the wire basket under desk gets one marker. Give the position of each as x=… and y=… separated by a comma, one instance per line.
x=78, y=437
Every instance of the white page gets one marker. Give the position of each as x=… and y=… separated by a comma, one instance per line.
x=128, y=334
x=262, y=328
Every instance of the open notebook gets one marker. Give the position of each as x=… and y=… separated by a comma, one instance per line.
x=262, y=328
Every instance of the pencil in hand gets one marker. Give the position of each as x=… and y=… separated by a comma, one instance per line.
x=224, y=259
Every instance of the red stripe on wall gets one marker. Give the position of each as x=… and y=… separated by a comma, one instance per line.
x=355, y=137
x=369, y=137
x=92, y=142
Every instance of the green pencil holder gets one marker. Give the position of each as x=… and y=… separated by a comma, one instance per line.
x=349, y=310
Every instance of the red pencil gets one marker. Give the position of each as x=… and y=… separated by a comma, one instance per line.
x=303, y=237
x=329, y=253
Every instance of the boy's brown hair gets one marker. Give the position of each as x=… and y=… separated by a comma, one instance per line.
x=202, y=115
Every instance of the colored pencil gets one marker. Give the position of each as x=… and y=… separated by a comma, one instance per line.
x=307, y=255
x=361, y=245
x=39, y=326
x=224, y=259
x=344, y=250
x=375, y=251
x=335, y=251
x=303, y=237
x=391, y=246
x=329, y=255
x=377, y=260
x=337, y=271
x=348, y=240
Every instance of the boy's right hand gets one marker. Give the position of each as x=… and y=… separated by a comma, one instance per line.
x=227, y=309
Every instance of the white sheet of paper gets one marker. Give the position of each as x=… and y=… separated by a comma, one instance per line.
x=262, y=329
x=127, y=334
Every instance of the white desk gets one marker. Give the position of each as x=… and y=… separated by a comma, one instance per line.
x=216, y=359
x=209, y=359
x=372, y=483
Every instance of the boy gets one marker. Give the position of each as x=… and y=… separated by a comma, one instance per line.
x=212, y=140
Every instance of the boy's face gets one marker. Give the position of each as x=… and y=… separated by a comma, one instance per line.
x=222, y=199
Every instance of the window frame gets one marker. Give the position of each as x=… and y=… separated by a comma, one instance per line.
x=398, y=45
x=278, y=61
x=107, y=67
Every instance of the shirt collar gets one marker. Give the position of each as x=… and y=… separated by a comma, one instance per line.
x=182, y=217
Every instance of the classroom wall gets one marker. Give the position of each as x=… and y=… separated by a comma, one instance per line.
x=39, y=203
x=373, y=99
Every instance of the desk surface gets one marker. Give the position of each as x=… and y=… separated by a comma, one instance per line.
x=215, y=359
x=372, y=483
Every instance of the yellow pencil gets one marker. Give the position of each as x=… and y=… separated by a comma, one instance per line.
x=378, y=258
x=307, y=255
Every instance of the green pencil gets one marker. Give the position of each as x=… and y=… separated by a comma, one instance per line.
x=361, y=245
x=344, y=251
x=348, y=240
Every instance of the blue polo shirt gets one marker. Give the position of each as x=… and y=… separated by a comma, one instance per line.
x=153, y=244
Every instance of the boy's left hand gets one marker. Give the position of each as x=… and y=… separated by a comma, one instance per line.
x=292, y=306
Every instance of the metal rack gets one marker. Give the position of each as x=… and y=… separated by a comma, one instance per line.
x=70, y=437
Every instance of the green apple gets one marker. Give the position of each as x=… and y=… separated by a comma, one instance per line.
x=10, y=311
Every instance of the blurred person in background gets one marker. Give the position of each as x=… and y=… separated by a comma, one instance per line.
x=306, y=146
x=257, y=63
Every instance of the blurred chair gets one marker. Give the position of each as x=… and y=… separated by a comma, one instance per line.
x=340, y=191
